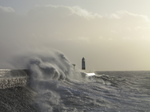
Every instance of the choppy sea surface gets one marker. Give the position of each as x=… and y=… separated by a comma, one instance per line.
x=120, y=91
x=55, y=88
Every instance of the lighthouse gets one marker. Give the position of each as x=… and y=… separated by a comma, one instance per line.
x=83, y=63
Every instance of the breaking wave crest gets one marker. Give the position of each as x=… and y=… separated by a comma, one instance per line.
x=55, y=86
x=47, y=74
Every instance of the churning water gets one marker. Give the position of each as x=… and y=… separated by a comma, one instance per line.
x=54, y=86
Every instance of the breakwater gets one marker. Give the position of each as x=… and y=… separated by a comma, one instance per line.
x=13, y=78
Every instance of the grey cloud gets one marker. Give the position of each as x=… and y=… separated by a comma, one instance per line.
x=72, y=30
x=6, y=9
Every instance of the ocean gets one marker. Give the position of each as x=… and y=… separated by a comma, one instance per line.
x=55, y=86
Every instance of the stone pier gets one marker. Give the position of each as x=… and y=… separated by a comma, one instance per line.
x=13, y=78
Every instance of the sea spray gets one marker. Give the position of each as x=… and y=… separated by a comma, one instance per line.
x=47, y=73
x=58, y=86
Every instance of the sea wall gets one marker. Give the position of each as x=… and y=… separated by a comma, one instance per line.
x=13, y=78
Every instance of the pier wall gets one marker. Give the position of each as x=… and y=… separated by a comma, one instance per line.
x=13, y=78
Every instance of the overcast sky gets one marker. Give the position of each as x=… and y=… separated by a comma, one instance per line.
x=110, y=34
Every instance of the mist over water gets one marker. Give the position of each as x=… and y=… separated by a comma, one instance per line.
x=55, y=86
x=48, y=72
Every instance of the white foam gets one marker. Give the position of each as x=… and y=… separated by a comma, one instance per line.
x=90, y=74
